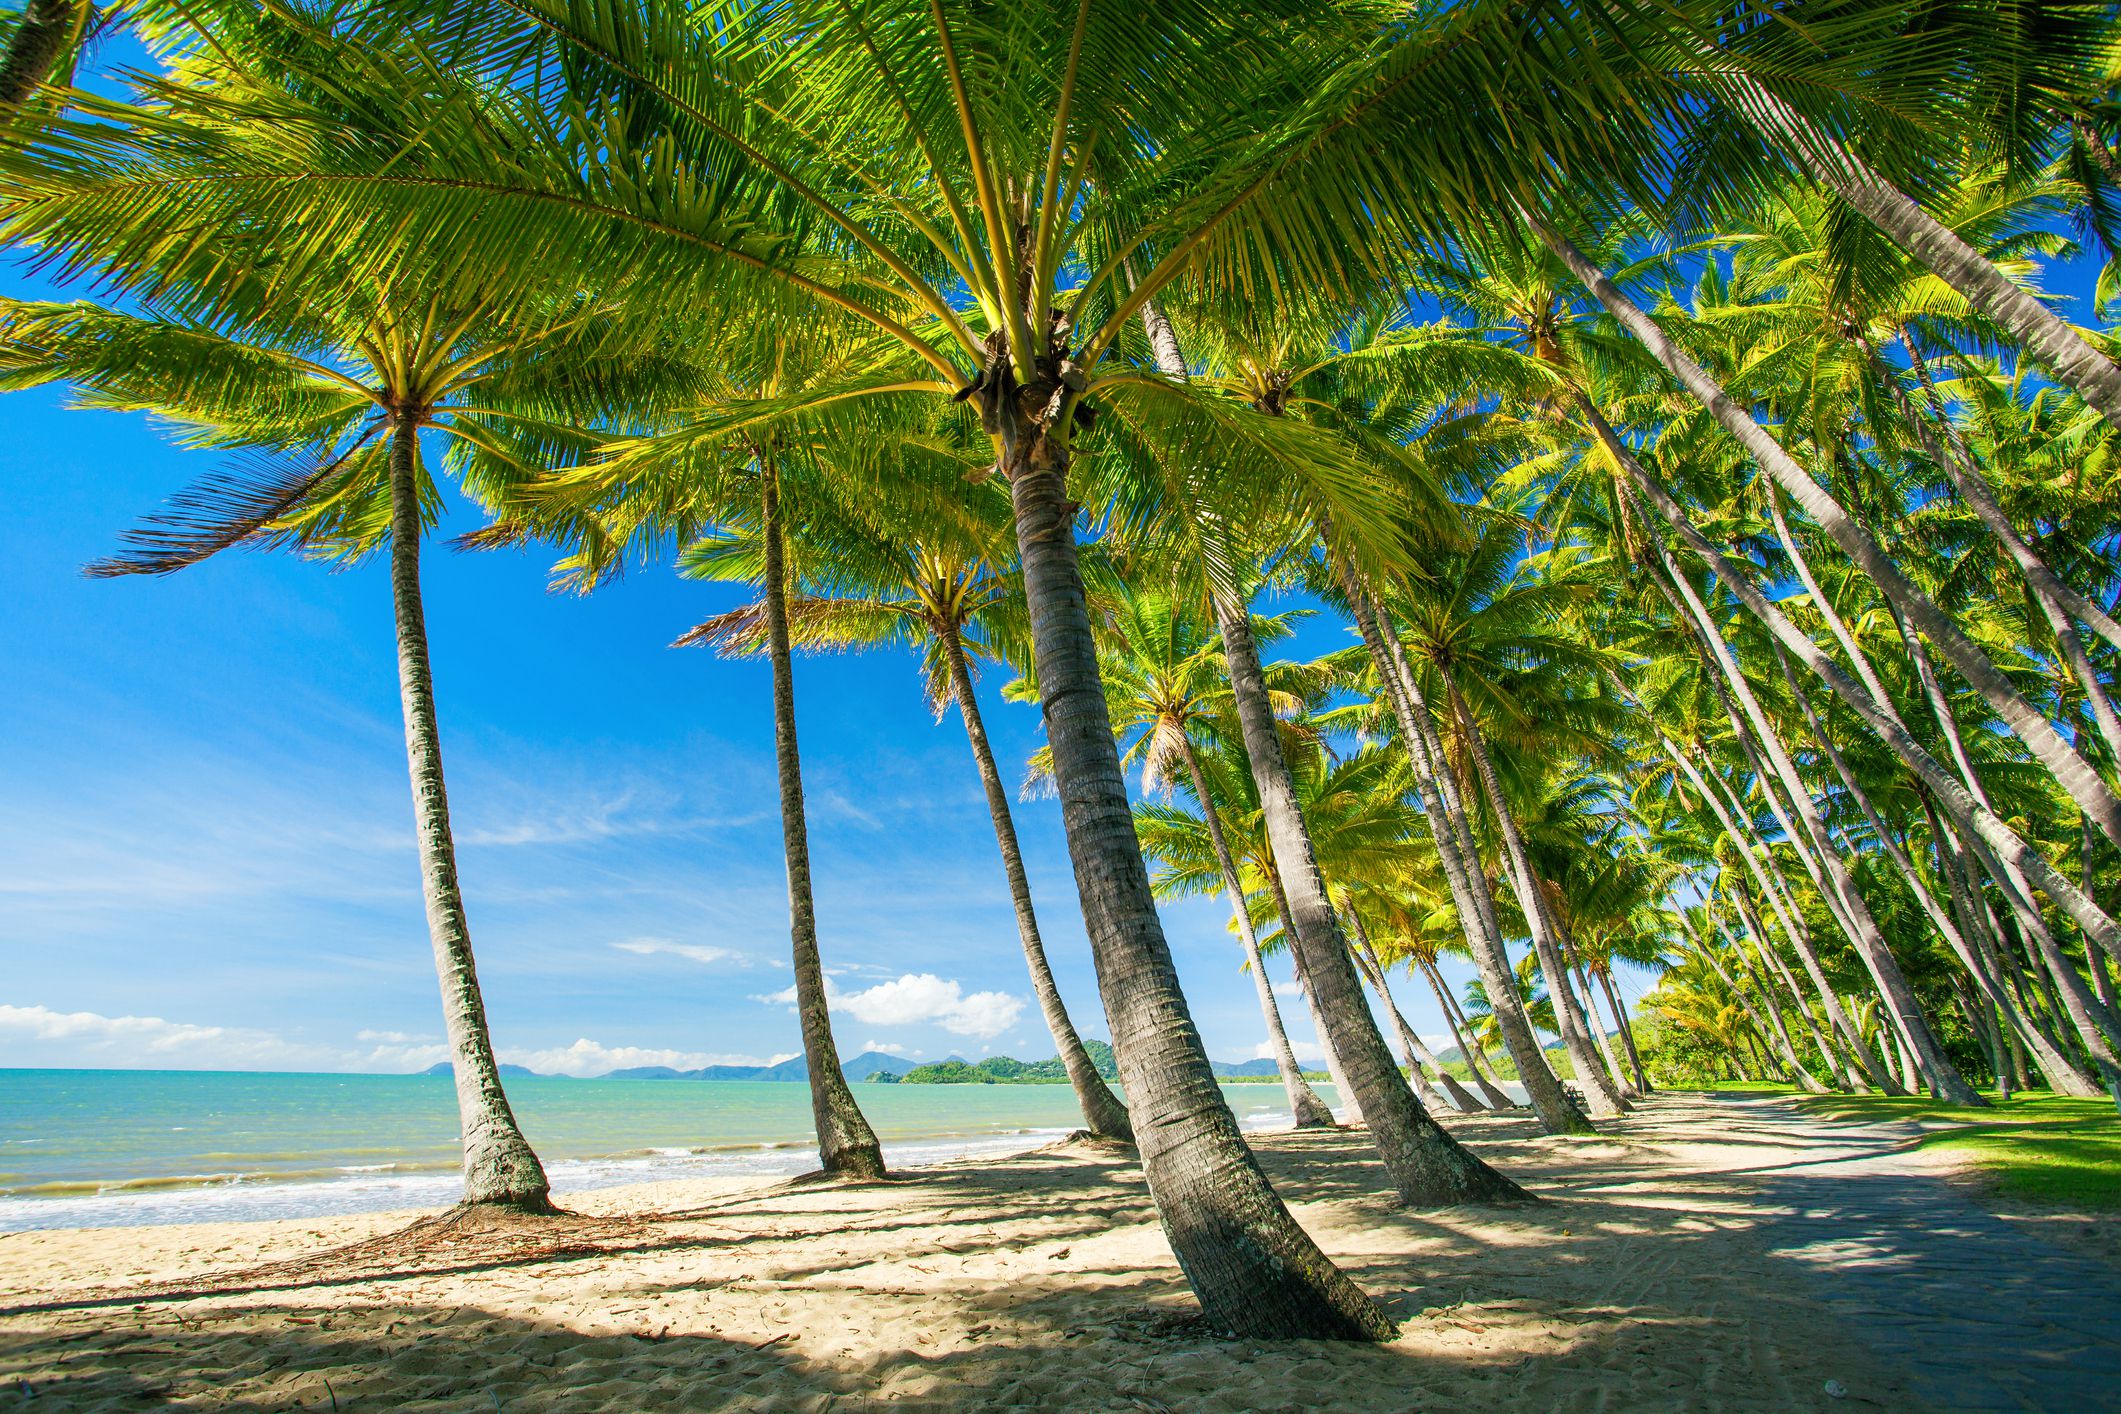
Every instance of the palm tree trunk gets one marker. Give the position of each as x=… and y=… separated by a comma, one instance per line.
x=1309, y=1111
x=34, y=49
x=1627, y=1032
x=2094, y=956
x=1773, y=1029
x=2058, y=1067
x=499, y=1165
x=1496, y=1098
x=1604, y=1099
x=1102, y=1110
x=1467, y=881
x=1255, y=1272
x=2046, y=337
x=1428, y=1167
x=2075, y=775
x=1975, y=820
x=1415, y=1050
x=1778, y=970
x=1601, y=1035
x=1902, y=1006
x=846, y=1144
x=1334, y=1071
x=1857, y=1070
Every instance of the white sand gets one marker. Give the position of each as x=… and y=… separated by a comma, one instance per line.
x=1040, y=1281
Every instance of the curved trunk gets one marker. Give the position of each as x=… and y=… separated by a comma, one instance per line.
x=33, y=50
x=1467, y=883
x=1911, y=1027
x=1773, y=1029
x=1428, y=1167
x=2059, y=1068
x=1101, y=1108
x=1590, y=1071
x=1254, y=1270
x=2074, y=774
x=1415, y=1050
x=1977, y=823
x=846, y=1144
x=2044, y=335
x=1310, y=1112
x=1858, y=1073
x=499, y=1166
x=1453, y=835
x=1334, y=1070
x=1601, y=1035
x=1627, y=1031
x=1496, y=1098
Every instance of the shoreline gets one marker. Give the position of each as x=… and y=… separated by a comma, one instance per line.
x=1648, y=1278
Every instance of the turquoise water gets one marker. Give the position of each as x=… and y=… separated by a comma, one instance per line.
x=87, y=1148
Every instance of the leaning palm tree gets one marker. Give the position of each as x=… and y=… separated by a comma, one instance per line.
x=865, y=581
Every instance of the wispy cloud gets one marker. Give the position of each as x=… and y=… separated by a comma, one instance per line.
x=704, y=953
x=586, y=1058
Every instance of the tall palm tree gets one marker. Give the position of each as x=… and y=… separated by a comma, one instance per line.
x=331, y=400
x=867, y=584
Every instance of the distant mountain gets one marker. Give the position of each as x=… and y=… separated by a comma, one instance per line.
x=511, y=1071
x=859, y=1067
x=1258, y=1066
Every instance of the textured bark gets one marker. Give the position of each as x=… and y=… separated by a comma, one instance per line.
x=2051, y=1059
x=33, y=50
x=1335, y=1072
x=1427, y=1166
x=1605, y=1101
x=2074, y=774
x=1309, y=1111
x=499, y=1166
x=1102, y=1110
x=846, y=1144
x=2045, y=336
x=1255, y=1272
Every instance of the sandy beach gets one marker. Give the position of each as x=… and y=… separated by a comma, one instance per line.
x=1040, y=1281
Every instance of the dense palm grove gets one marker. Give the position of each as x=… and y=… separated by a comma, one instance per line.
x=1662, y=397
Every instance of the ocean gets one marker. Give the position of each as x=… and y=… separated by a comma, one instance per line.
x=116, y=1148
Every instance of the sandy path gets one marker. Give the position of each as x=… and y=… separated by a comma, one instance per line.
x=1035, y=1282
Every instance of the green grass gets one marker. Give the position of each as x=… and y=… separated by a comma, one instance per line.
x=2041, y=1148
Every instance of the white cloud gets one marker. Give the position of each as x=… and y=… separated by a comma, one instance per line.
x=1288, y=991
x=704, y=953
x=919, y=999
x=924, y=998
x=392, y=1038
x=586, y=1058
x=1308, y=1053
x=891, y=1048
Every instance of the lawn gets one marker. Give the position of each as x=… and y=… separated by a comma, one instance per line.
x=2039, y=1147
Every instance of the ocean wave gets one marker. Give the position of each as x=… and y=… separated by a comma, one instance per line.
x=314, y=1193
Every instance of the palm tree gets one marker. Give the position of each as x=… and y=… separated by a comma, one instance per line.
x=946, y=597
x=1163, y=688
x=330, y=400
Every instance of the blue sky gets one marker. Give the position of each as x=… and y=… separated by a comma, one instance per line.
x=206, y=852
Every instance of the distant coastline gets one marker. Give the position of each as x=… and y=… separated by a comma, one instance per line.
x=876, y=1067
